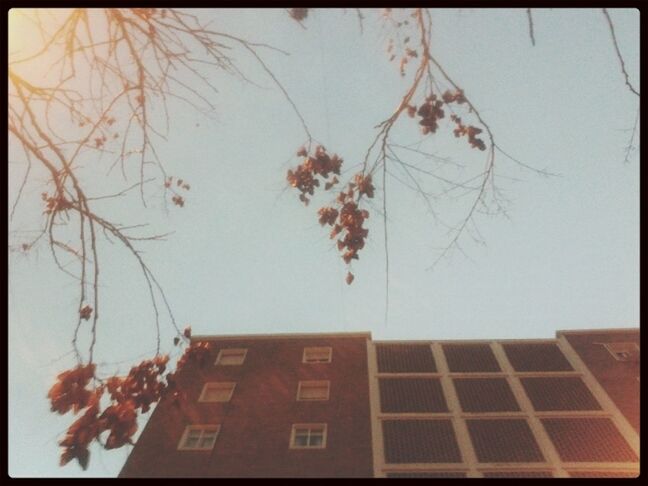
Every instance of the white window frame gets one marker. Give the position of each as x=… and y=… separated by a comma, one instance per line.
x=203, y=428
x=322, y=427
x=317, y=349
x=223, y=354
x=618, y=348
x=318, y=384
x=219, y=385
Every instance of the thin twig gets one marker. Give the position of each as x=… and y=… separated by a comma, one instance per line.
x=530, y=26
x=618, y=52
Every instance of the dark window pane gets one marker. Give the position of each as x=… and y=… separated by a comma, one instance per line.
x=408, y=441
x=301, y=440
x=427, y=474
x=411, y=395
x=464, y=358
x=569, y=393
x=405, y=358
x=503, y=440
x=588, y=440
x=518, y=474
x=536, y=357
x=485, y=395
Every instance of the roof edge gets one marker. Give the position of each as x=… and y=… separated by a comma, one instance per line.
x=231, y=337
x=597, y=331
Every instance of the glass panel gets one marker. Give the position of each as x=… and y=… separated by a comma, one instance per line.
x=208, y=440
x=301, y=440
x=317, y=355
x=316, y=439
x=310, y=392
x=191, y=442
x=232, y=356
x=218, y=393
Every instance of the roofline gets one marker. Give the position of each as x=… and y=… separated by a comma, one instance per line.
x=232, y=337
x=465, y=341
x=598, y=331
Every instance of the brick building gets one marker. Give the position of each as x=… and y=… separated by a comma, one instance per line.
x=343, y=405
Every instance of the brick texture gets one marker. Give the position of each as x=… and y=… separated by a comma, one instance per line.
x=256, y=424
x=603, y=474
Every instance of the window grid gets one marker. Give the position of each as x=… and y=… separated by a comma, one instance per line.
x=308, y=436
x=199, y=437
x=231, y=357
x=313, y=390
x=536, y=368
x=217, y=391
x=320, y=354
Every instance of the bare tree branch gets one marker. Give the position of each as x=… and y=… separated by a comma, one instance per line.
x=618, y=53
x=531, y=36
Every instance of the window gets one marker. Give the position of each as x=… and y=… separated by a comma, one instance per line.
x=231, y=356
x=405, y=358
x=313, y=390
x=308, y=436
x=504, y=440
x=199, y=437
x=412, y=441
x=317, y=355
x=623, y=351
x=411, y=395
x=217, y=392
x=538, y=356
x=485, y=395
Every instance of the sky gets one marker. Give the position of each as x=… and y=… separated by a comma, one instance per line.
x=245, y=256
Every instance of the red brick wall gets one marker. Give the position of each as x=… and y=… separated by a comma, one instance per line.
x=256, y=424
x=618, y=378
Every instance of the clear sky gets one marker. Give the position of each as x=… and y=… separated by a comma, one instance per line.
x=247, y=257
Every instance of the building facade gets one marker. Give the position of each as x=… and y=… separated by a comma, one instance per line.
x=267, y=406
x=343, y=405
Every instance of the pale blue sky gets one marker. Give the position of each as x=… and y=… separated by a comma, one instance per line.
x=247, y=257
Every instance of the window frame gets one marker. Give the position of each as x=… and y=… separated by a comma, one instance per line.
x=322, y=426
x=313, y=383
x=224, y=351
x=315, y=349
x=631, y=349
x=203, y=398
x=203, y=428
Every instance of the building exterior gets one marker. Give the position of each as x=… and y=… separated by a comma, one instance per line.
x=278, y=406
x=343, y=405
x=612, y=356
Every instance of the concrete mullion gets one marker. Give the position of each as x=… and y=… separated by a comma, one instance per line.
x=374, y=406
x=460, y=426
x=542, y=438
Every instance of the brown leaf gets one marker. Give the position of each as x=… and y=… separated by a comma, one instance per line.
x=85, y=312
